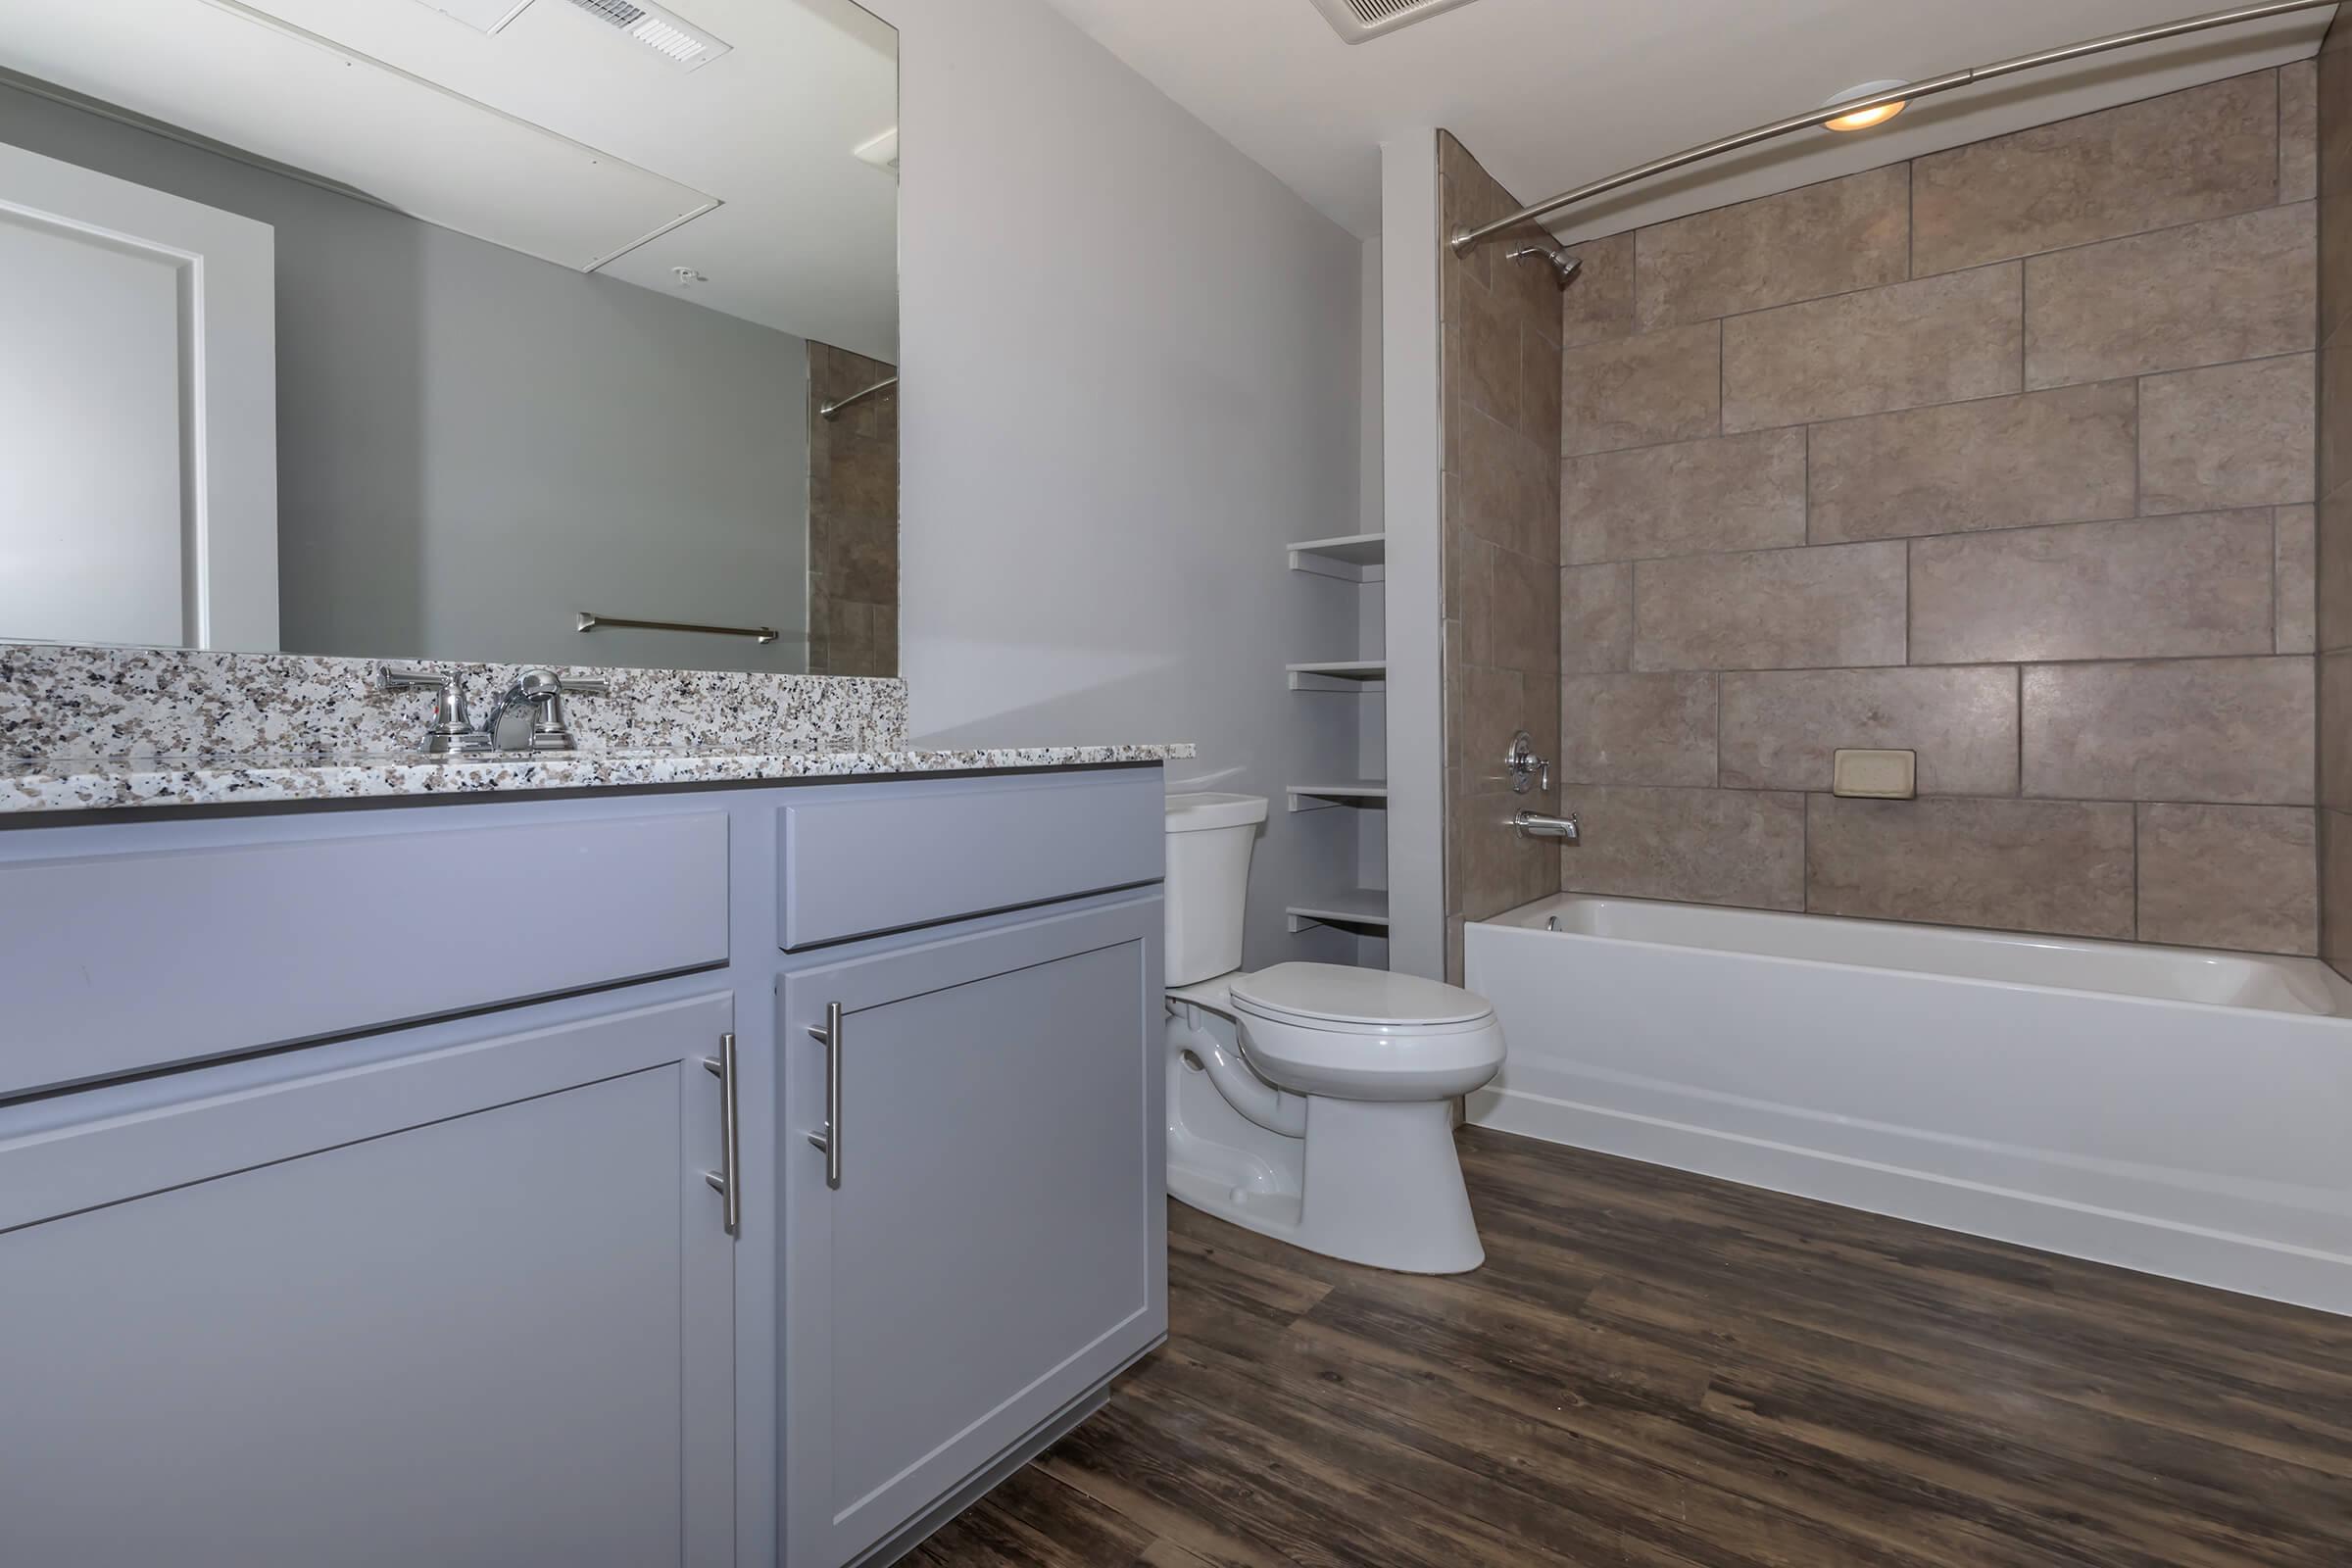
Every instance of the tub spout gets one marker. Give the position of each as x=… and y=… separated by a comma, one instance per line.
x=1536, y=825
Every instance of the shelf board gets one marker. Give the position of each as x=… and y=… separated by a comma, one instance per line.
x=1352, y=906
x=1350, y=558
x=1336, y=675
x=1322, y=794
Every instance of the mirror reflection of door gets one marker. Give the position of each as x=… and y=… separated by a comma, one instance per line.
x=138, y=424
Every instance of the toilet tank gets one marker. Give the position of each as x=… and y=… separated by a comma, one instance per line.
x=1210, y=839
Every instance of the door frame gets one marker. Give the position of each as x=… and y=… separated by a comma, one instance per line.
x=226, y=267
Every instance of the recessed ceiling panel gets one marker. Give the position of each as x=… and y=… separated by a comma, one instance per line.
x=807, y=238
x=483, y=16
x=253, y=80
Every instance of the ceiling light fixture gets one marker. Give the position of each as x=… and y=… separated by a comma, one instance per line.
x=1864, y=118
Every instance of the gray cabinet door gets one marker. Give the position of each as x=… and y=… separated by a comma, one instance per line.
x=468, y=1307
x=996, y=1243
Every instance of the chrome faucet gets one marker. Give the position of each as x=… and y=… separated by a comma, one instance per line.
x=451, y=730
x=542, y=691
x=1529, y=771
x=1526, y=770
x=1537, y=825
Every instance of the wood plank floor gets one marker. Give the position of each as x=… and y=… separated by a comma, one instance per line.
x=1655, y=1368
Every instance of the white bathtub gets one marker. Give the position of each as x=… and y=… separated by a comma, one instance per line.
x=2184, y=1112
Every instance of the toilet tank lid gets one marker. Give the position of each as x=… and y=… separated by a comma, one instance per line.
x=1192, y=813
x=1338, y=994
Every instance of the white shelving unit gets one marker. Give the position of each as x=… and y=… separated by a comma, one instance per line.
x=1344, y=905
x=1350, y=558
x=1336, y=674
x=1324, y=797
x=1347, y=906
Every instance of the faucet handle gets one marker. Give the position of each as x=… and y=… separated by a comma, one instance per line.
x=452, y=729
x=1525, y=766
x=544, y=690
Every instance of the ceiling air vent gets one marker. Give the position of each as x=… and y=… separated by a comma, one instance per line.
x=1359, y=19
x=664, y=33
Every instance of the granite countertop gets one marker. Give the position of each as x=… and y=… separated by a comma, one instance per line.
x=91, y=728
x=98, y=783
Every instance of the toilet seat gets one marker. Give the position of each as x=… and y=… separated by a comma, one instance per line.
x=1365, y=1035
x=1335, y=996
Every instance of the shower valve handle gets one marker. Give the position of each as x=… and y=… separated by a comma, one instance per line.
x=1526, y=770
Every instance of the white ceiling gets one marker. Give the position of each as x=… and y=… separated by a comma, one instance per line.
x=1549, y=94
x=558, y=136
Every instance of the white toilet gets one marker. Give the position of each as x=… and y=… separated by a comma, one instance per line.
x=1311, y=1102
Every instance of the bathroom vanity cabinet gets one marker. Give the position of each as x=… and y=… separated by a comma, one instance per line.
x=365, y=1174
x=399, y=1312
x=997, y=1238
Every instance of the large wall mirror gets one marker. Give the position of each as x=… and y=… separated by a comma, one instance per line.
x=446, y=328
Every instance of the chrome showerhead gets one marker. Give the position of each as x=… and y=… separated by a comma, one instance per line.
x=1564, y=267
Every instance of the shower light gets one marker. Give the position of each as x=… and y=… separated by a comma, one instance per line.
x=1863, y=120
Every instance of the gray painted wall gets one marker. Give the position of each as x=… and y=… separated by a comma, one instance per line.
x=1132, y=373
x=1411, y=479
x=473, y=444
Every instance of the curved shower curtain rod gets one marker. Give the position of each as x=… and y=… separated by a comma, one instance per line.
x=1464, y=240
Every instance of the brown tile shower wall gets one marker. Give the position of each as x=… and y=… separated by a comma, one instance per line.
x=2004, y=455
x=1499, y=399
x=2332, y=544
x=852, y=519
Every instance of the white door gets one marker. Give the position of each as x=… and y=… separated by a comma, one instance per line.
x=138, y=415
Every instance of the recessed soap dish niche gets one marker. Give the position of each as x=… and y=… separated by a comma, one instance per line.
x=1342, y=803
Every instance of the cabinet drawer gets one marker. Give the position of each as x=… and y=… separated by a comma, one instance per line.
x=251, y=934
x=901, y=855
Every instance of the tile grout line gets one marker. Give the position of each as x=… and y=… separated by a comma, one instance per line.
x=2135, y=807
x=1828, y=793
x=1913, y=539
x=2115, y=379
x=2275, y=587
x=2024, y=382
x=1723, y=383
x=1910, y=602
x=2018, y=260
x=1958, y=533
x=2017, y=677
x=2139, y=446
x=1804, y=851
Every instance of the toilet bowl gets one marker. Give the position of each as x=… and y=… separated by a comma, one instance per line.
x=1311, y=1102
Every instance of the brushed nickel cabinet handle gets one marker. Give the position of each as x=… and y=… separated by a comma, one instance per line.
x=728, y=1182
x=830, y=1138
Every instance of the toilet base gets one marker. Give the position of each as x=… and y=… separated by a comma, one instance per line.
x=1372, y=1183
